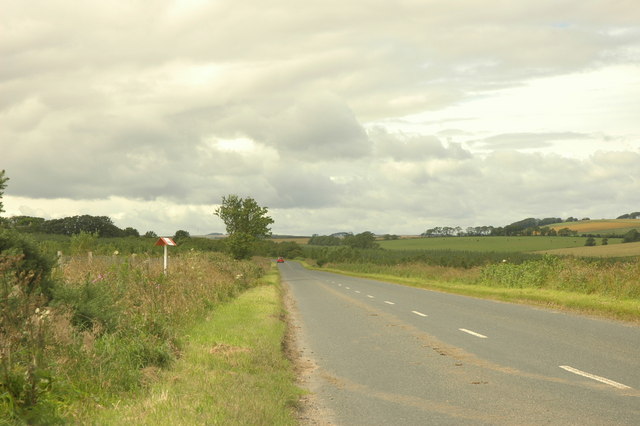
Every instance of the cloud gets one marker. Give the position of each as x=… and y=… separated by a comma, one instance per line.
x=336, y=115
x=526, y=140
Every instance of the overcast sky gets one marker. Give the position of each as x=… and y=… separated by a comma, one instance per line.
x=350, y=115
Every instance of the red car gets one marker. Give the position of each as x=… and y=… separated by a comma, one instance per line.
x=280, y=260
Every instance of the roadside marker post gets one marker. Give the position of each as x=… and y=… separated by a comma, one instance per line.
x=166, y=242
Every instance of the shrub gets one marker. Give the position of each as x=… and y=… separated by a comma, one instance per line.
x=33, y=269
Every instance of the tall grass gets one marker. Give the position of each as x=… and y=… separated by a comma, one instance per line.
x=586, y=276
x=110, y=324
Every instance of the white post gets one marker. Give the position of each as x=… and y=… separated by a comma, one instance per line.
x=166, y=259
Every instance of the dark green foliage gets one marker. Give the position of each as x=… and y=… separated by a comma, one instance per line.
x=364, y=240
x=25, y=223
x=324, y=240
x=33, y=268
x=631, y=236
x=102, y=225
x=93, y=305
x=25, y=287
x=590, y=242
x=130, y=232
x=449, y=258
x=286, y=249
x=181, y=235
x=634, y=215
x=246, y=223
x=3, y=185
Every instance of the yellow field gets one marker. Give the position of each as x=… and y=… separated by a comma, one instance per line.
x=599, y=225
x=614, y=250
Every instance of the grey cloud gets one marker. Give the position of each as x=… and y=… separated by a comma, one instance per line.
x=127, y=99
x=525, y=140
x=298, y=187
x=414, y=148
x=318, y=128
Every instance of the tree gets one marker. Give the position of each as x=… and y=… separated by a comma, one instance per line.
x=3, y=185
x=590, y=242
x=150, y=234
x=130, y=232
x=246, y=223
x=181, y=235
x=631, y=236
x=363, y=240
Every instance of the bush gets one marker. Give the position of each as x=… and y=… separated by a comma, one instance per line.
x=32, y=269
x=25, y=378
x=631, y=236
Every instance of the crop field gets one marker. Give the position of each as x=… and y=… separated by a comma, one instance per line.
x=616, y=250
x=488, y=244
x=603, y=226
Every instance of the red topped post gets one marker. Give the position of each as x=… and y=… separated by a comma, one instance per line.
x=165, y=241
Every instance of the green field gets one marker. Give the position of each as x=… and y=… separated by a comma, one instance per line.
x=491, y=244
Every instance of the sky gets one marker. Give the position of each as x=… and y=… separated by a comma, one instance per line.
x=358, y=115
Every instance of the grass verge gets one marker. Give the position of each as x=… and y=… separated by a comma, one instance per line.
x=590, y=304
x=232, y=370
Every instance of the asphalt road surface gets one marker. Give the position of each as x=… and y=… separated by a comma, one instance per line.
x=385, y=354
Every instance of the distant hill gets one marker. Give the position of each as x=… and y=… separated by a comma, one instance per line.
x=601, y=226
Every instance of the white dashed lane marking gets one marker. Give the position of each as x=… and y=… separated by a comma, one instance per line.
x=594, y=377
x=473, y=333
x=419, y=313
x=389, y=303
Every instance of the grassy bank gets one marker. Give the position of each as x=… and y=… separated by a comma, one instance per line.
x=108, y=326
x=232, y=371
x=595, y=288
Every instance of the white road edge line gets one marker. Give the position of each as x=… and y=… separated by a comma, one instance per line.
x=594, y=377
x=419, y=313
x=473, y=333
x=389, y=303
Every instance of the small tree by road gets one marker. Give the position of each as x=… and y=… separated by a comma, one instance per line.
x=246, y=222
x=3, y=185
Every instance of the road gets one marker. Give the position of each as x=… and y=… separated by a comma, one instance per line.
x=385, y=354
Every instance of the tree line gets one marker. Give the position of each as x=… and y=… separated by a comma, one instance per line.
x=103, y=226
x=525, y=227
x=363, y=240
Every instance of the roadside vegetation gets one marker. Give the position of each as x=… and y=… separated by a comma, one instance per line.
x=93, y=331
x=231, y=370
x=504, y=268
x=87, y=334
